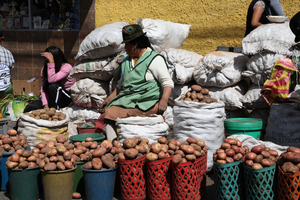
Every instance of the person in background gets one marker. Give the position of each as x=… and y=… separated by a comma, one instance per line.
x=145, y=84
x=6, y=64
x=295, y=26
x=55, y=86
x=259, y=10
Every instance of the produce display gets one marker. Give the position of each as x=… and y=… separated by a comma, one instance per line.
x=261, y=156
x=231, y=150
x=49, y=114
x=12, y=142
x=289, y=161
x=198, y=94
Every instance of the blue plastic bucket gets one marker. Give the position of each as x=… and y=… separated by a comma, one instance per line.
x=99, y=184
x=4, y=173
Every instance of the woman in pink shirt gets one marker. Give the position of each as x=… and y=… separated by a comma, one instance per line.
x=55, y=87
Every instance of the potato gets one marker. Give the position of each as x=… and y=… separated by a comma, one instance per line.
x=225, y=146
x=23, y=164
x=231, y=141
x=293, y=149
x=76, y=195
x=237, y=156
x=190, y=157
x=107, y=161
x=180, y=152
x=257, y=166
x=258, y=158
x=196, y=88
x=192, y=141
x=199, y=96
x=222, y=162
x=273, y=152
x=15, y=157
x=229, y=159
x=31, y=159
x=11, y=164
x=151, y=156
x=61, y=139
x=87, y=165
x=161, y=155
x=12, y=132
x=42, y=164
x=204, y=91
x=131, y=153
x=61, y=149
x=230, y=152
x=265, y=163
x=107, y=145
x=27, y=153
x=140, y=148
x=187, y=149
x=51, y=143
x=60, y=166
x=97, y=163
x=44, y=116
x=249, y=163
x=7, y=140
x=221, y=156
x=250, y=156
x=177, y=158
x=51, y=152
x=68, y=164
x=67, y=155
x=50, y=166
x=194, y=96
x=265, y=154
x=156, y=147
x=257, y=149
x=50, y=113
x=162, y=140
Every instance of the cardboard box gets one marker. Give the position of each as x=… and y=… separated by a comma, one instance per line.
x=25, y=87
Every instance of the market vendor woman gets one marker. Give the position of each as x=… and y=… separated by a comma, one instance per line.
x=145, y=84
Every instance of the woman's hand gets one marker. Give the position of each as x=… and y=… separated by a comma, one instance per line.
x=162, y=107
x=48, y=56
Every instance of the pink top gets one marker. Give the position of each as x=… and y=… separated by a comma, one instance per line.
x=60, y=76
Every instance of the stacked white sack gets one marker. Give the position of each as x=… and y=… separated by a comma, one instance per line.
x=220, y=69
x=275, y=38
x=164, y=34
x=181, y=64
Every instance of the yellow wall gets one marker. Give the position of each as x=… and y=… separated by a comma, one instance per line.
x=214, y=22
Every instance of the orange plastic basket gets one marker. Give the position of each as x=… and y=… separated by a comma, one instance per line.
x=288, y=185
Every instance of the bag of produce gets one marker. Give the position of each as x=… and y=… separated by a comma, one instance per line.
x=43, y=125
x=102, y=42
x=276, y=38
x=100, y=69
x=259, y=67
x=152, y=127
x=220, y=69
x=200, y=120
x=164, y=34
x=253, y=99
x=181, y=64
x=89, y=93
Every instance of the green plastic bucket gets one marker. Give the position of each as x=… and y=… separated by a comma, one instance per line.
x=78, y=180
x=79, y=138
x=24, y=184
x=58, y=185
x=247, y=126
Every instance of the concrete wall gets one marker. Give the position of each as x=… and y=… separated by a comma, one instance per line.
x=214, y=22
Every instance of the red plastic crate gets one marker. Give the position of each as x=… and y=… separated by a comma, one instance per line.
x=159, y=179
x=187, y=179
x=132, y=178
x=288, y=185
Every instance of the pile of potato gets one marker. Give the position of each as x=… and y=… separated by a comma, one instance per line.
x=198, y=94
x=289, y=161
x=134, y=148
x=12, y=142
x=182, y=151
x=49, y=114
x=260, y=157
x=231, y=151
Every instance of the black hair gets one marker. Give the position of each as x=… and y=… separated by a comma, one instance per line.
x=141, y=42
x=59, y=59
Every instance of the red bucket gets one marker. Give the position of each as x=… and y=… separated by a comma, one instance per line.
x=159, y=179
x=132, y=178
x=188, y=178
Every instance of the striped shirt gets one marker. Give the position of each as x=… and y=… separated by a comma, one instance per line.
x=6, y=57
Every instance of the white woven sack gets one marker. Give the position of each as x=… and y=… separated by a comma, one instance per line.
x=200, y=120
x=283, y=124
x=151, y=128
x=259, y=67
x=89, y=93
x=181, y=64
x=164, y=34
x=231, y=96
x=34, y=129
x=251, y=142
x=178, y=91
x=220, y=69
x=276, y=38
x=102, y=42
x=169, y=117
x=100, y=69
x=253, y=99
